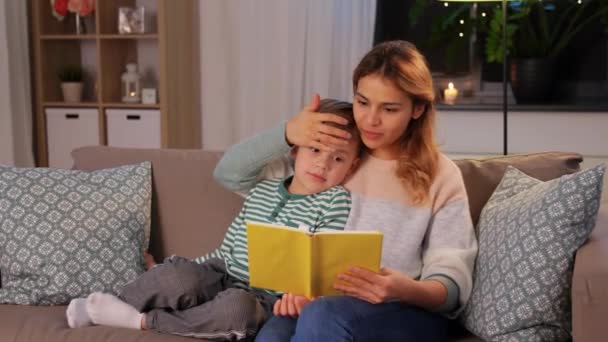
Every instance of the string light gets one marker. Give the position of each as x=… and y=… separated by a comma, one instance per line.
x=461, y=34
x=483, y=14
x=445, y=4
x=461, y=22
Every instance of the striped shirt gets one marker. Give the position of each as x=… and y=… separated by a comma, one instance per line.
x=270, y=202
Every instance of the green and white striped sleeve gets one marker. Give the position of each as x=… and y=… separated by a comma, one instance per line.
x=228, y=243
x=335, y=215
x=263, y=156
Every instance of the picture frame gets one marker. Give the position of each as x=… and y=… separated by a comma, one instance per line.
x=131, y=20
x=148, y=96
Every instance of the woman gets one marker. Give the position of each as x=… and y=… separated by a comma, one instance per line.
x=403, y=187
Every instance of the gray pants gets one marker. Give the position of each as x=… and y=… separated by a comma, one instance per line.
x=184, y=298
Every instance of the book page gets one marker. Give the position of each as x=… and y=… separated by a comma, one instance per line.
x=279, y=258
x=335, y=252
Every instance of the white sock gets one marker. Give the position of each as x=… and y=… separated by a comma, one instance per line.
x=106, y=309
x=77, y=314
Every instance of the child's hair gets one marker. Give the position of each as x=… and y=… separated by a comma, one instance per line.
x=400, y=62
x=345, y=110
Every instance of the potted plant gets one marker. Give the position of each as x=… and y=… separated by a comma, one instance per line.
x=450, y=29
x=537, y=32
x=71, y=83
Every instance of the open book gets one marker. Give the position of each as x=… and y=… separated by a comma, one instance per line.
x=293, y=260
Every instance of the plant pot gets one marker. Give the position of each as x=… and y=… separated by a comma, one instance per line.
x=72, y=91
x=532, y=79
x=491, y=72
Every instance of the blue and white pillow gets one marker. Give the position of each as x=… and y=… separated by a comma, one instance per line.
x=67, y=233
x=529, y=232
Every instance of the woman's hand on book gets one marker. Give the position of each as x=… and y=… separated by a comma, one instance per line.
x=310, y=128
x=374, y=287
x=290, y=305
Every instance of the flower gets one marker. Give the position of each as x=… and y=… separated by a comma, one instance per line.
x=81, y=7
x=60, y=8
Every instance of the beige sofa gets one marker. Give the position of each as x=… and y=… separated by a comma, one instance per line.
x=191, y=213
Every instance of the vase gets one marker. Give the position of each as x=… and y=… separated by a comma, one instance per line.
x=72, y=91
x=80, y=26
x=532, y=79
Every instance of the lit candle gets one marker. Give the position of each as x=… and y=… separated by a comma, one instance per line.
x=450, y=94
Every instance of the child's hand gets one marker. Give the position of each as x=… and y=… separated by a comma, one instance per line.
x=149, y=260
x=290, y=305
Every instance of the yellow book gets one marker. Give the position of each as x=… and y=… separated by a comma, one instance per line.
x=292, y=260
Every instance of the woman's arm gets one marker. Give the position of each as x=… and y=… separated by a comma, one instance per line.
x=450, y=246
x=245, y=163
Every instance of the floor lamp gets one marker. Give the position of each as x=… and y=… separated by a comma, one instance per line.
x=504, y=67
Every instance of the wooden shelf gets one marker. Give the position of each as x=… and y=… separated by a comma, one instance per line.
x=167, y=58
x=68, y=36
x=70, y=104
x=130, y=105
x=129, y=36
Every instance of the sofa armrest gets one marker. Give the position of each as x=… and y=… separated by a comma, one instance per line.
x=590, y=284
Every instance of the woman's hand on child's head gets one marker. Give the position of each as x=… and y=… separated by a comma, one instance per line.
x=309, y=128
x=374, y=287
x=290, y=305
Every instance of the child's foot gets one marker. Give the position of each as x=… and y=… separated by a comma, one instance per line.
x=77, y=314
x=149, y=260
x=106, y=309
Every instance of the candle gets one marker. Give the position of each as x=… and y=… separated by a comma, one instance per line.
x=450, y=94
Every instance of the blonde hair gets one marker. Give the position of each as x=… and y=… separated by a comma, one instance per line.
x=401, y=63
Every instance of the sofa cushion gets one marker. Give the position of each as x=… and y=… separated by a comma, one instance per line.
x=65, y=233
x=48, y=323
x=190, y=211
x=482, y=176
x=529, y=232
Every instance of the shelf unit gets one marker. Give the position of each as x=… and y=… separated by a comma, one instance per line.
x=167, y=56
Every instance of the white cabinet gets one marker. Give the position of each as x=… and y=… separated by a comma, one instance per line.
x=67, y=129
x=582, y=132
x=480, y=132
x=477, y=134
x=470, y=132
x=135, y=128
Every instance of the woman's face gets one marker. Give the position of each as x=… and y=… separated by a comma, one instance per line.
x=382, y=113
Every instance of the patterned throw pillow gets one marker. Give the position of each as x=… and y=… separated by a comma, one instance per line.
x=65, y=233
x=529, y=232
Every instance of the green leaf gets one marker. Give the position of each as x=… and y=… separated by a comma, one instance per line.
x=416, y=12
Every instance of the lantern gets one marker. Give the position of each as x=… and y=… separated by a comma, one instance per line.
x=131, y=91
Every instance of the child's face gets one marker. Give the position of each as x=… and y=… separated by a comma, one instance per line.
x=316, y=171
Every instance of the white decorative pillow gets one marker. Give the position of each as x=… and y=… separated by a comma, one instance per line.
x=67, y=233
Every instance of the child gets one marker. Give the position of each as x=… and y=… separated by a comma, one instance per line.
x=210, y=298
